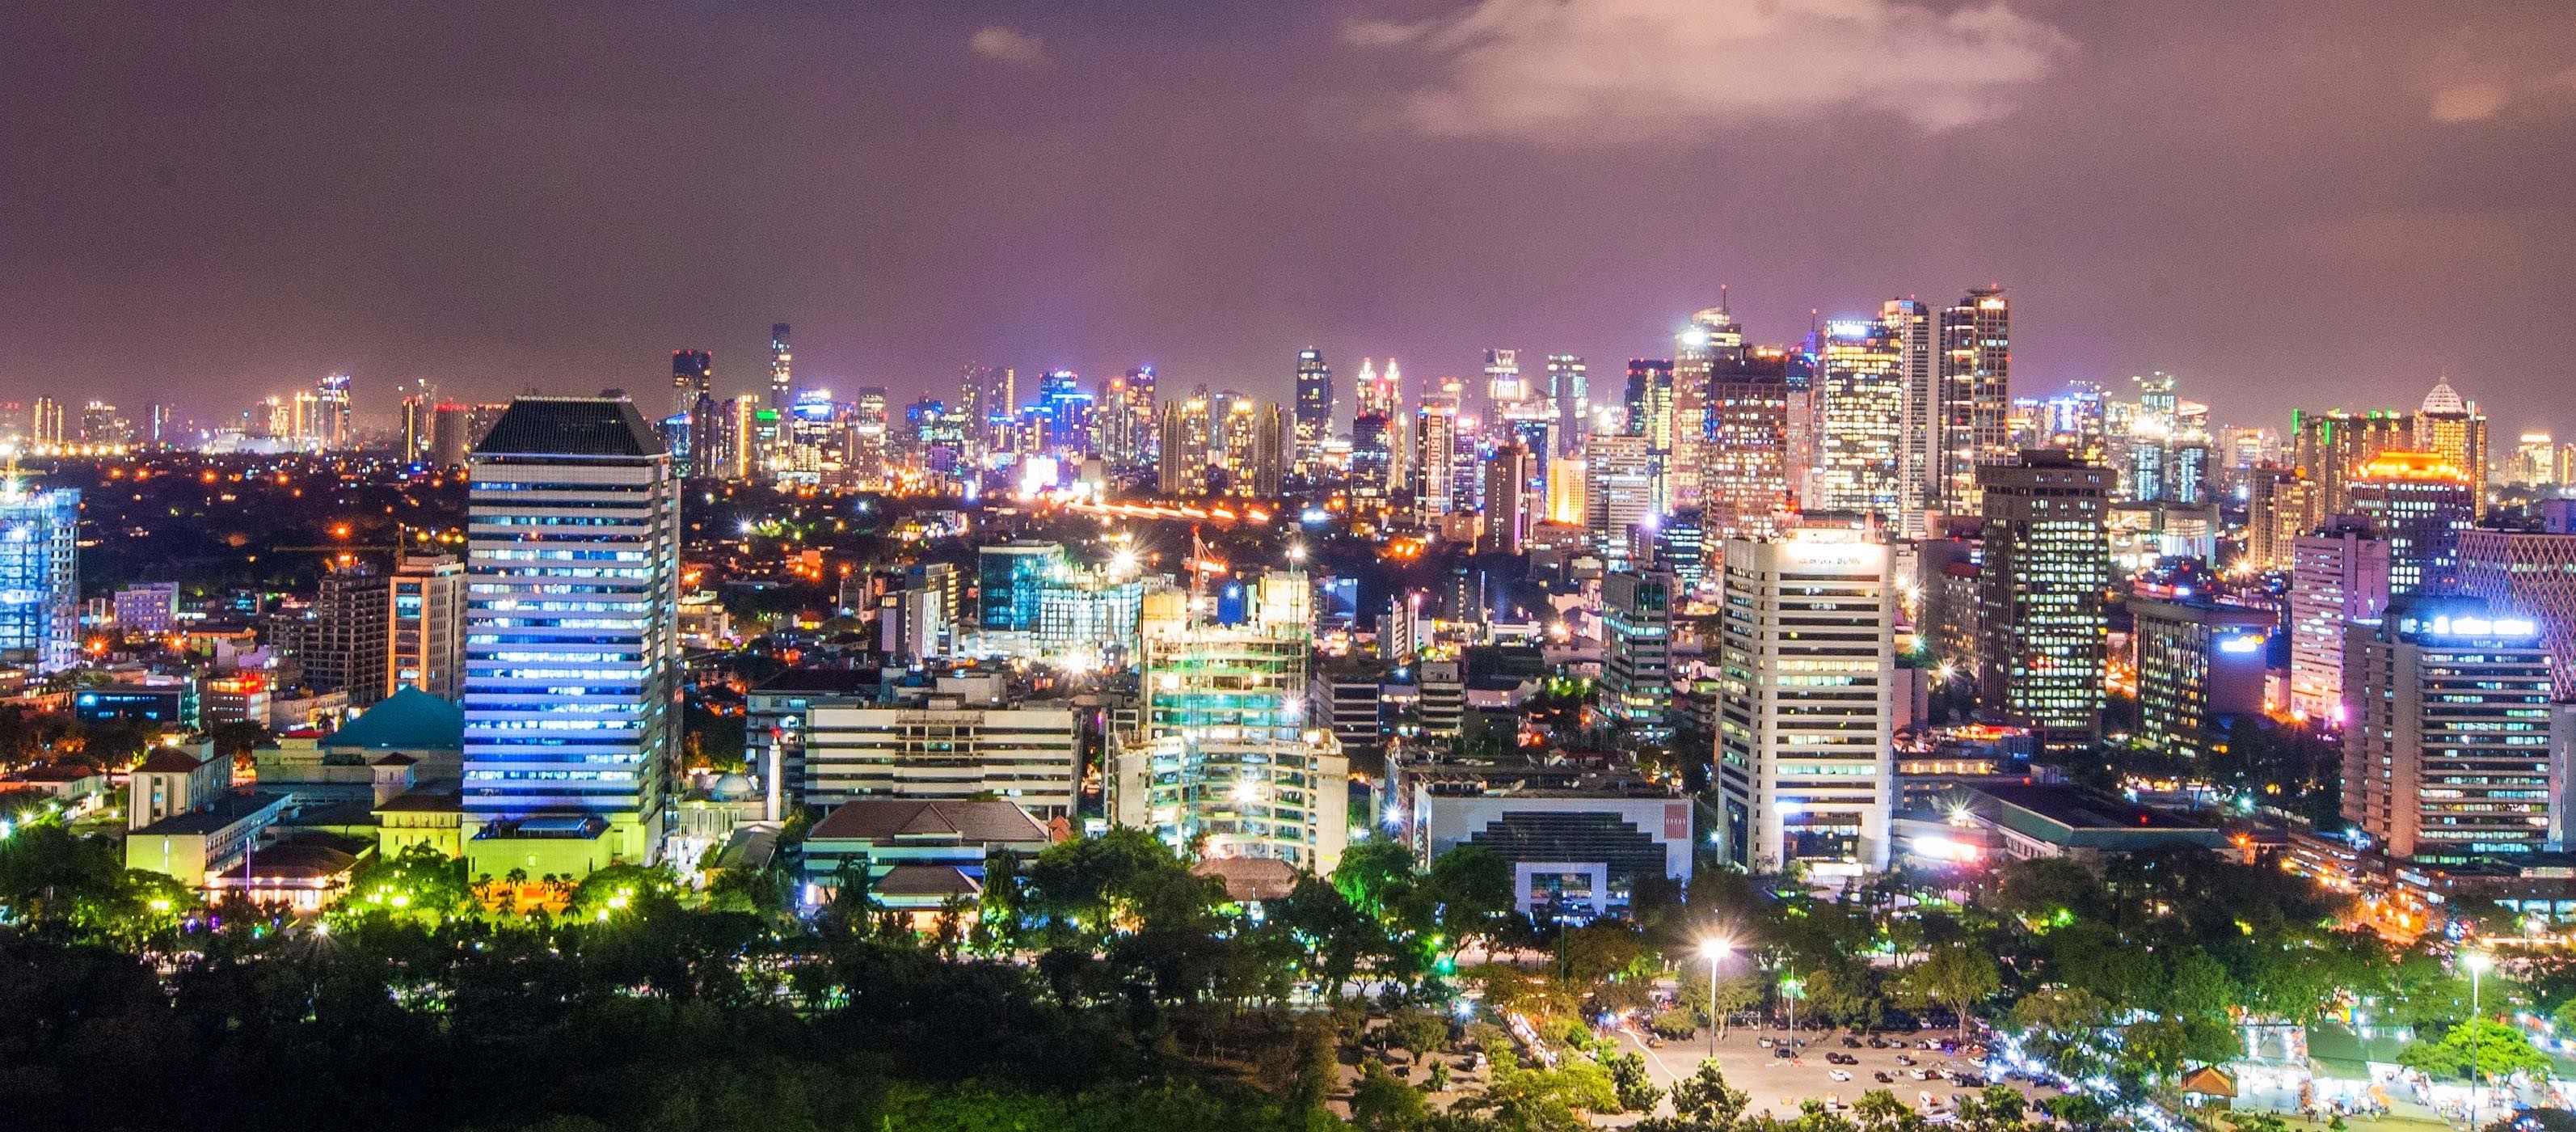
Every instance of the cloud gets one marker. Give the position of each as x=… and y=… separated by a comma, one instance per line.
x=1579, y=72
x=2482, y=100
x=1009, y=45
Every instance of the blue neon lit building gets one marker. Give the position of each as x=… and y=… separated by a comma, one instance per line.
x=39, y=576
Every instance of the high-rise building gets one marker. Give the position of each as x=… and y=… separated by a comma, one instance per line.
x=693, y=375
x=1636, y=692
x=1976, y=391
x=2454, y=430
x=2329, y=447
x=571, y=639
x=1223, y=757
x=45, y=425
x=2201, y=668
x=1010, y=578
x=2279, y=507
x=2420, y=503
x=102, y=424
x=1237, y=418
x=351, y=638
x=449, y=424
x=39, y=575
x=1619, y=484
x=1744, y=470
x=2047, y=564
x=1435, y=457
x=1508, y=498
x=427, y=631
x=332, y=427
x=1128, y=426
x=1569, y=389
x=1182, y=454
x=1314, y=411
x=2451, y=756
x=2535, y=459
x=1806, y=703
x=2530, y=574
x=1274, y=445
x=1503, y=383
x=1711, y=339
x=1861, y=421
x=419, y=423
x=1921, y=480
x=871, y=436
x=2338, y=575
x=782, y=366
x=1649, y=402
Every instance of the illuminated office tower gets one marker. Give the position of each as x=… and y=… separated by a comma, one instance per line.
x=2338, y=575
x=693, y=375
x=1508, y=499
x=871, y=435
x=1237, y=418
x=2201, y=669
x=1274, y=445
x=2328, y=447
x=2420, y=503
x=1618, y=491
x=1636, y=692
x=2047, y=563
x=1860, y=421
x=1223, y=756
x=2280, y=505
x=39, y=575
x=1503, y=384
x=449, y=425
x=1183, y=449
x=1650, y=402
x=2451, y=757
x=419, y=420
x=1434, y=465
x=45, y=427
x=2533, y=574
x=1921, y=480
x=2534, y=459
x=571, y=639
x=1744, y=472
x=1711, y=339
x=1976, y=391
x=2454, y=430
x=1128, y=426
x=102, y=424
x=1382, y=394
x=1569, y=389
x=332, y=427
x=427, y=633
x=1314, y=411
x=1806, y=703
x=782, y=364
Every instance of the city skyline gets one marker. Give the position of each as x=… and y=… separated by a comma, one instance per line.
x=1036, y=188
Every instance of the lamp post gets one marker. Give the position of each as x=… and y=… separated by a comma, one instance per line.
x=2477, y=962
x=1715, y=950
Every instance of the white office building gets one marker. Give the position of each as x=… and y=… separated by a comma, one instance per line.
x=1806, y=703
x=1027, y=755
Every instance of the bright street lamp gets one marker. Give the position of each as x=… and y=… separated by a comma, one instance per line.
x=1714, y=950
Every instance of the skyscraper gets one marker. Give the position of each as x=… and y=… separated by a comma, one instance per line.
x=1806, y=703
x=2451, y=757
x=1508, y=499
x=2338, y=575
x=1744, y=470
x=1976, y=390
x=782, y=377
x=1921, y=480
x=1569, y=389
x=39, y=575
x=1860, y=422
x=2329, y=447
x=1711, y=339
x=1435, y=435
x=2047, y=563
x=2454, y=430
x=1273, y=445
x=351, y=643
x=1618, y=491
x=1649, y=402
x=1182, y=451
x=571, y=639
x=1314, y=411
x=2532, y=574
x=1503, y=384
x=2420, y=503
x=693, y=375
x=331, y=427
x=1636, y=692
x=427, y=633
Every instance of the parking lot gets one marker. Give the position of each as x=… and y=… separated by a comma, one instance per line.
x=1779, y=1084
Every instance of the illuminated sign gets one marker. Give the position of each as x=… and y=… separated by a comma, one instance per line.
x=2242, y=643
x=2445, y=625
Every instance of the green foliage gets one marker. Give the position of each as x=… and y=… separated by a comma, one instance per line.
x=418, y=884
x=1381, y=1103
x=2497, y=1050
x=73, y=887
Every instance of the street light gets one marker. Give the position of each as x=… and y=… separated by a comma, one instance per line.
x=1714, y=950
x=2477, y=962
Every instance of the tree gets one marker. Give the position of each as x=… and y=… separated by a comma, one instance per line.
x=1704, y=1101
x=1375, y=875
x=1381, y=1103
x=2499, y=1050
x=1418, y=1032
x=1471, y=888
x=1956, y=975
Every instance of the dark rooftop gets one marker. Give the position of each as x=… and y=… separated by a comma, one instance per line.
x=925, y=880
x=2078, y=808
x=886, y=819
x=169, y=760
x=224, y=812
x=845, y=681
x=410, y=719
x=570, y=426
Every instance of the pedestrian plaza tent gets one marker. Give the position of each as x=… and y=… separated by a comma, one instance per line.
x=2208, y=1087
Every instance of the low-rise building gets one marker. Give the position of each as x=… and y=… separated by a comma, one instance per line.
x=2042, y=820
x=1579, y=846
x=919, y=856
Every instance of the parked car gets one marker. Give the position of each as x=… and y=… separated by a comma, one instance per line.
x=1881, y=1077
x=1838, y=1074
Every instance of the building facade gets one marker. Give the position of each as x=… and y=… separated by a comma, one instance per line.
x=2047, y=563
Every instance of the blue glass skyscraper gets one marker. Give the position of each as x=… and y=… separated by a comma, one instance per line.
x=39, y=576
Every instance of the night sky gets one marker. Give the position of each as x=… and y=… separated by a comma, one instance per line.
x=2318, y=204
